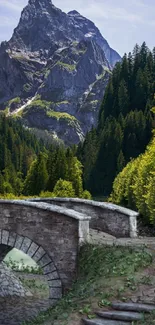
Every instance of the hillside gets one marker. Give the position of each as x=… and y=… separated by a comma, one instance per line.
x=101, y=281
x=54, y=70
x=125, y=121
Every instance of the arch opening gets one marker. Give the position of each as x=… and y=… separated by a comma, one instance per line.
x=35, y=252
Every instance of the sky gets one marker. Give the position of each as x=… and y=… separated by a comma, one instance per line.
x=122, y=23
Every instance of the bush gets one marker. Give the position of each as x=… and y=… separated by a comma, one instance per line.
x=86, y=195
x=63, y=189
x=46, y=194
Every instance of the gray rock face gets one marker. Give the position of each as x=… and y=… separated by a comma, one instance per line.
x=90, y=31
x=63, y=59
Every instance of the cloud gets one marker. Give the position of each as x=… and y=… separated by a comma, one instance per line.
x=7, y=21
x=14, y=5
x=112, y=13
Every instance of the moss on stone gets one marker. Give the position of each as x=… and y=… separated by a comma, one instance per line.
x=94, y=101
x=69, y=67
x=62, y=103
x=15, y=100
x=27, y=87
x=61, y=115
x=44, y=104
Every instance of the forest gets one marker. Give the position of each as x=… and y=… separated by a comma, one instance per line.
x=113, y=157
x=125, y=121
x=29, y=168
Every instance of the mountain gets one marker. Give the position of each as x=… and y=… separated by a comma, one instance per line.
x=54, y=71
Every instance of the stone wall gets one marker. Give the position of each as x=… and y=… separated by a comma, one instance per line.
x=107, y=217
x=10, y=285
x=50, y=235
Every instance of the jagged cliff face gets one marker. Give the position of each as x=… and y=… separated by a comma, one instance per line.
x=54, y=70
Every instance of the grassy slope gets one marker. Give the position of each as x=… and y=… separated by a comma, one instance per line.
x=105, y=274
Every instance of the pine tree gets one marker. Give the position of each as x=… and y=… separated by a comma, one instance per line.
x=123, y=98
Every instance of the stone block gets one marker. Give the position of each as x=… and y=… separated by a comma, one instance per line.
x=54, y=283
x=49, y=268
x=45, y=260
x=25, y=245
x=12, y=239
x=39, y=254
x=32, y=249
x=55, y=293
x=18, y=243
x=52, y=276
x=5, y=237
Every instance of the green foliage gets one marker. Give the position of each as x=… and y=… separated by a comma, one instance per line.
x=39, y=103
x=26, y=170
x=125, y=121
x=16, y=100
x=86, y=195
x=135, y=185
x=60, y=115
x=37, y=177
x=63, y=189
x=69, y=67
x=46, y=194
x=15, y=266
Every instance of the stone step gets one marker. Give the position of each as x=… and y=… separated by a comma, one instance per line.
x=100, y=321
x=129, y=306
x=120, y=315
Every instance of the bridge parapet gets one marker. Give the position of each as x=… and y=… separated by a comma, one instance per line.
x=107, y=217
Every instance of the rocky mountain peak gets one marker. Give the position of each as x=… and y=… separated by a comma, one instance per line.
x=39, y=2
x=74, y=13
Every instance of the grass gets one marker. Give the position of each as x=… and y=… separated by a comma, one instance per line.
x=69, y=67
x=105, y=273
x=94, y=102
x=40, y=103
x=61, y=115
x=16, y=100
x=46, y=105
x=61, y=103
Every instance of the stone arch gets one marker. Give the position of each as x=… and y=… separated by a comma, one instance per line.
x=10, y=240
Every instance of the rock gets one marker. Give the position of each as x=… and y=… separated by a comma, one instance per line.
x=10, y=285
x=120, y=315
x=133, y=307
x=97, y=321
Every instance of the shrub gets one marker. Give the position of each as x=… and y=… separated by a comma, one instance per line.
x=63, y=189
x=86, y=195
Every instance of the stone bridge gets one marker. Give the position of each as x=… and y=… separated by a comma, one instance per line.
x=51, y=232
x=110, y=218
